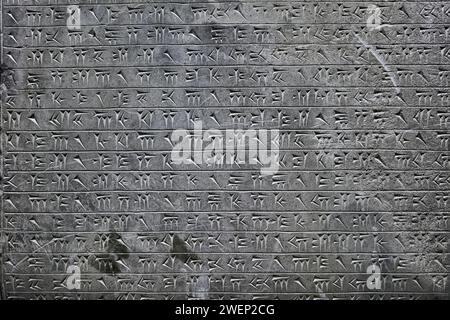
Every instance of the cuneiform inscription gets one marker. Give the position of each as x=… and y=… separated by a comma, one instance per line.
x=357, y=94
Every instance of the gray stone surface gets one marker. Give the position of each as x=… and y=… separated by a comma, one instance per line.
x=94, y=205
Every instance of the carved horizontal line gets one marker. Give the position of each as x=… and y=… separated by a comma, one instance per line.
x=215, y=232
x=233, y=293
x=219, y=24
x=405, y=212
x=229, y=273
x=262, y=231
x=227, y=232
x=391, y=253
x=230, y=190
x=418, y=170
x=297, y=107
x=268, y=65
x=234, y=87
x=231, y=128
x=281, y=150
x=214, y=44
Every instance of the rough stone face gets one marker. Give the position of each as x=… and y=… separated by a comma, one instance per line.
x=353, y=96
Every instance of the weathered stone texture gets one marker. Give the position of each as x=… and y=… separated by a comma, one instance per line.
x=359, y=92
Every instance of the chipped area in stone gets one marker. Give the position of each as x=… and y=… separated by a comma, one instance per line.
x=347, y=197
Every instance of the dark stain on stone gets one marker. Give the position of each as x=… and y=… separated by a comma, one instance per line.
x=447, y=265
x=116, y=251
x=117, y=247
x=3, y=69
x=6, y=76
x=180, y=251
